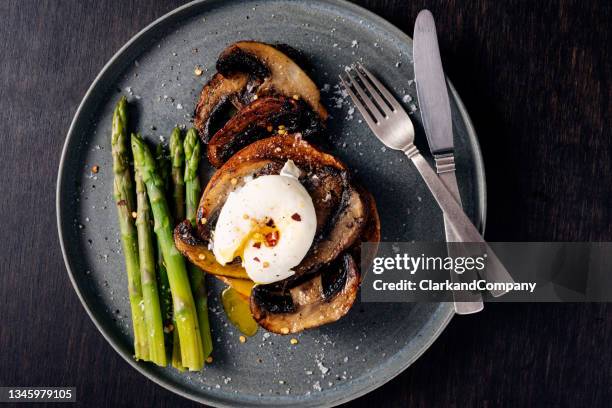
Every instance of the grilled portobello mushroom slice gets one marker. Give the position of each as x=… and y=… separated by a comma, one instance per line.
x=247, y=71
x=217, y=98
x=260, y=119
x=280, y=74
x=321, y=299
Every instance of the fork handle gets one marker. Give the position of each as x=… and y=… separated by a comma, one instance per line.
x=463, y=228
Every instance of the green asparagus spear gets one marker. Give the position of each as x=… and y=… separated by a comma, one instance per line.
x=165, y=169
x=192, y=178
x=183, y=304
x=164, y=285
x=177, y=156
x=177, y=186
x=123, y=190
x=146, y=254
x=192, y=196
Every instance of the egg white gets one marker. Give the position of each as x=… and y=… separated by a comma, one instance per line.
x=280, y=198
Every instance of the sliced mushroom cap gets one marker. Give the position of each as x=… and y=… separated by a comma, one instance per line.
x=216, y=97
x=259, y=119
x=322, y=299
x=249, y=70
x=280, y=74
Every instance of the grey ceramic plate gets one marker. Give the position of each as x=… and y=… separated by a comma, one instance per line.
x=155, y=69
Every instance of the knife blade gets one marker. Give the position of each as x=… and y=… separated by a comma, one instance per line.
x=431, y=86
x=436, y=114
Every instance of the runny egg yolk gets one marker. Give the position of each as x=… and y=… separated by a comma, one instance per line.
x=264, y=232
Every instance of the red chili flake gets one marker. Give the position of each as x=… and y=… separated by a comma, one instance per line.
x=256, y=259
x=272, y=238
x=257, y=245
x=296, y=217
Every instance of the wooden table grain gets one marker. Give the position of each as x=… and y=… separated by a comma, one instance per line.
x=535, y=77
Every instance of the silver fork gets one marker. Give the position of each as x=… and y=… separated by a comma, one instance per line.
x=393, y=127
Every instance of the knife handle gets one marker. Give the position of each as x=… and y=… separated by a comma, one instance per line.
x=445, y=167
x=460, y=223
x=466, y=302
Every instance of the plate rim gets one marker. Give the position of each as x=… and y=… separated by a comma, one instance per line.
x=446, y=308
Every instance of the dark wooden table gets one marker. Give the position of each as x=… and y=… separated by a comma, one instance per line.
x=535, y=77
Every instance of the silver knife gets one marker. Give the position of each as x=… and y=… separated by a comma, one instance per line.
x=436, y=114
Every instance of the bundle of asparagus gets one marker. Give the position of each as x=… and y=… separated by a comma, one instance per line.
x=152, y=304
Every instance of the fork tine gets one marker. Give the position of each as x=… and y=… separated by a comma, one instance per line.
x=380, y=101
x=362, y=109
x=374, y=111
x=381, y=88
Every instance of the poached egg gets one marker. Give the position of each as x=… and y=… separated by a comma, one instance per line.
x=270, y=223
